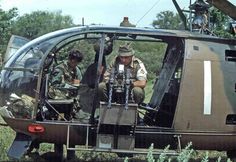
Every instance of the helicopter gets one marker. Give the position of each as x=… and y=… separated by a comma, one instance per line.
x=193, y=97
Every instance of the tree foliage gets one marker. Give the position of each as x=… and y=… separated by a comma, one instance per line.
x=38, y=23
x=152, y=55
x=167, y=20
x=30, y=25
x=218, y=18
x=220, y=23
x=6, y=20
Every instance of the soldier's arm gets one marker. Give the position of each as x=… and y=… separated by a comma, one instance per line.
x=139, y=83
x=108, y=71
x=57, y=77
x=141, y=77
x=78, y=78
x=106, y=75
x=76, y=82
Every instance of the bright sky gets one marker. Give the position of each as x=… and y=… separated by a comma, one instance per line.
x=107, y=12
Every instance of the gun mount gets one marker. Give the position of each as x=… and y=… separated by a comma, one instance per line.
x=119, y=86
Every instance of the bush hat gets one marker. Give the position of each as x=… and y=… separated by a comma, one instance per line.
x=125, y=50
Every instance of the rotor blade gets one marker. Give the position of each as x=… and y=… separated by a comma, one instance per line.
x=225, y=6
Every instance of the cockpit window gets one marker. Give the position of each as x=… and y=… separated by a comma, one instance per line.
x=31, y=58
x=25, y=60
x=19, y=81
x=18, y=89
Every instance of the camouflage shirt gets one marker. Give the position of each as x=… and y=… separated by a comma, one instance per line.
x=138, y=70
x=64, y=74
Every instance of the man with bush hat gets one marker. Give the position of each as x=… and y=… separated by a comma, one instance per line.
x=138, y=74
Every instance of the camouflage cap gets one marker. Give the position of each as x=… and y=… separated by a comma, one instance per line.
x=125, y=50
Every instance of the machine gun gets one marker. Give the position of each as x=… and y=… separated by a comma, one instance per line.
x=119, y=86
x=117, y=125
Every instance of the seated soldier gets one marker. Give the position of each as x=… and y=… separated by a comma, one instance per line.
x=125, y=61
x=89, y=77
x=66, y=76
x=88, y=82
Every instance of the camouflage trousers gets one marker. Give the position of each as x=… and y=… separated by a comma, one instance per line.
x=137, y=93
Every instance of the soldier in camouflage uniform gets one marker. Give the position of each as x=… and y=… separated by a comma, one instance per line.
x=65, y=76
x=138, y=76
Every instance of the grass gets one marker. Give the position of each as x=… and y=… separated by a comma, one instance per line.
x=149, y=90
x=6, y=137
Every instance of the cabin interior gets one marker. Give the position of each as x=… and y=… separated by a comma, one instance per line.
x=29, y=77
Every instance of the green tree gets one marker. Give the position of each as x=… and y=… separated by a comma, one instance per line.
x=38, y=23
x=6, y=20
x=167, y=20
x=155, y=52
x=219, y=23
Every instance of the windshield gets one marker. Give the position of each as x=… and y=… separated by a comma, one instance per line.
x=18, y=88
x=19, y=80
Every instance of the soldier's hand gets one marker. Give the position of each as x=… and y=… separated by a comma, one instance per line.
x=76, y=81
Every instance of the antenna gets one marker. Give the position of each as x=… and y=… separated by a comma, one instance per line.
x=82, y=21
x=147, y=12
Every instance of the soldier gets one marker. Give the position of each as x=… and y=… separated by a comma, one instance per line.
x=89, y=76
x=138, y=76
x=66, y=75
x=126, y=23
x=88, y=82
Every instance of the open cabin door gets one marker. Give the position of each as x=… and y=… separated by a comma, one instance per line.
x=166, y=88
x=14, y=44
